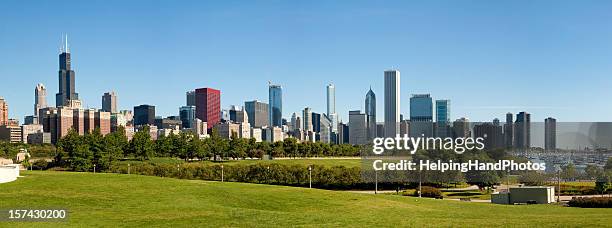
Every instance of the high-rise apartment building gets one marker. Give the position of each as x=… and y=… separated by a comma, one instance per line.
x=257, y=112
x=109, y=102
x=67, y=95
x=550, y=134
x=208, y=106
x=392, y=103
x=275, y=100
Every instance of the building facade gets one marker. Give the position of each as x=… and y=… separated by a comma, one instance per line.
x=67, y=95
x=522, y=128
x=3, y=112
x=443, y=118
x=144, y=115
x=550, y=134
x=208, y=105
x=109, y=102
x=358, y=129
x=257, y=112
x=275, y=101
x=392, y=103
x=40, y=98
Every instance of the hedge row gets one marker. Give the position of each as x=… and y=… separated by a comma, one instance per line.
x=338, y=177
x=593, y=202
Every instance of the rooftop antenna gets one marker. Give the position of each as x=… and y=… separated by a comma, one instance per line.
x=61, y=49
x=67, y=48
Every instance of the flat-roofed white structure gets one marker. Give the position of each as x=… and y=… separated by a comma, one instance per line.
x=526, y=194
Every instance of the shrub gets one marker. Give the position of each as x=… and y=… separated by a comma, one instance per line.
x=430, y=192
x=593, y=202
x=40, y=164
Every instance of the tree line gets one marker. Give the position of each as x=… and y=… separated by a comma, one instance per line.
x=94, y=150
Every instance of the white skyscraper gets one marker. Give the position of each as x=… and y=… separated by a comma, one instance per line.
x=392, y=103
x=307, y=118
x=331, y=107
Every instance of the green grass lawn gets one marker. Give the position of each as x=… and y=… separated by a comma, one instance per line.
x=133, y=200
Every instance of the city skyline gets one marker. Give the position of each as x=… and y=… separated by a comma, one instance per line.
x=430, y=61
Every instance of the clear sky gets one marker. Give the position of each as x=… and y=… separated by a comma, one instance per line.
x=550, y=58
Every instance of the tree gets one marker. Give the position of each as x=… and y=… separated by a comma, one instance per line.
x=165, y=146
x=569, y=172
x=180, y=143
x=218, y=146
x=608, y=166
x=95, y=140
x=141, y=145
x=115, y=145
x=199, y=148
x=277, y=149
x=592, y=172
x=533, y=178
x=603, y=183
x=238, y=147
x=290, y=147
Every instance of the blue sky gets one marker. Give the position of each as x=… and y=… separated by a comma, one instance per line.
x=550, y=58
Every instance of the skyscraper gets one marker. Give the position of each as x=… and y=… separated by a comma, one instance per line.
x=331, y=107
x=331, y=99
x=443, y=118
x=238, y=115
x=392, y=103
x=40, y=98
x=421, y=115
x=275, y=99
x=144, y=114
x=208, y=106
x=109, y=102
x=66, y=92
x=294, y=122
x=550, y=134
x=307, y=118
x=358, y=129
x=188, y=116
x=257, y=112
x=522, y=130
x=370, y=111
x=509, y=131
x=461, y=128
x=190, y=98
x=3, y=112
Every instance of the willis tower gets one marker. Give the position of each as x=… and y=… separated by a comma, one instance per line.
x=67, y=92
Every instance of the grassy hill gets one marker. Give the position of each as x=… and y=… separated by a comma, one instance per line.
x=132, y=200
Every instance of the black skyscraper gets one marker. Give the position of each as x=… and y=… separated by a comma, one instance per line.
x=144, y=114
x=66, y=78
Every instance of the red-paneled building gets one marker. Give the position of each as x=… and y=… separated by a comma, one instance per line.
x=208, y=106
